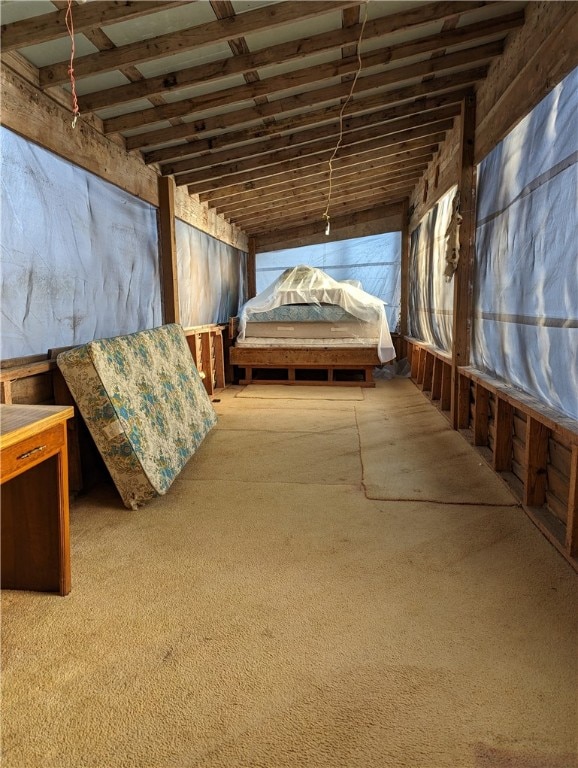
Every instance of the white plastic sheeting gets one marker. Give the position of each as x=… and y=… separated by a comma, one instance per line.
x=79, y=256
x=308, y=285
x=375, y=261
x=526, y=288
x=430, y=294
x=212, y=277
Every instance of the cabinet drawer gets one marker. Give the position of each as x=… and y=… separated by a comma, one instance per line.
x=32, y=450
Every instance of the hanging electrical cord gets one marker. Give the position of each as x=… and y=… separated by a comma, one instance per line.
x=70, y=27
x=340, y=139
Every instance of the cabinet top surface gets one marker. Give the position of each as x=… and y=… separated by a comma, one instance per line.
x=20, y=421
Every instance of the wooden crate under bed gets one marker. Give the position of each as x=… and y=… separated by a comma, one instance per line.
x=333, y=366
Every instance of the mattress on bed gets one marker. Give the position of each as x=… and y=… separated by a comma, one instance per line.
x=268, y=343
x=302, y=313
x=145, y=405
x=355, y=329
x=304, y=294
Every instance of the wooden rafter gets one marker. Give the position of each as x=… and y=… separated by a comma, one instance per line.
x=283, y=193
x=257, y=152
x=203, y=35
x=253, y=115
x=401, y=151
x=358, y=129
x=322, y=120
x=290, y=51
x=51, y=26
x=314, y=153
x=306, y=77
x=376, y=187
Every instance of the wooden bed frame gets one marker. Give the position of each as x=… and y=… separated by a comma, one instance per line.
x=333, y=366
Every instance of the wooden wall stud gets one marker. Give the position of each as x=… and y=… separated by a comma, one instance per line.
x=536, y=455
x=572, y=522
x=503, y=442
x=481, y=414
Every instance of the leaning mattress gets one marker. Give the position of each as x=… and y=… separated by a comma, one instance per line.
x=145, y=405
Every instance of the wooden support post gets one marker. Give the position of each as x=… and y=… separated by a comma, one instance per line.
x=536, y=451
x=463, y=402
x=168, y=250
x=218, y=348
x=198, y=352
x=421, y=365
x=436, y=380
x=207, y=362
x=6, y=396
x=503, y=442
x=428, y=372
x=193, y=341
x=446, y=398
x=404, y=301
x=63, y=396
x=572, y=521
x=464, y=272
x=251, y=270
x=481, y=414
x=414, y=353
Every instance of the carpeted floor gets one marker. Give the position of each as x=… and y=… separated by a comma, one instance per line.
x=283, y=392
x=266, y=613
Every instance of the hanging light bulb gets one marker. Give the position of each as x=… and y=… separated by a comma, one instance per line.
x=328, y=227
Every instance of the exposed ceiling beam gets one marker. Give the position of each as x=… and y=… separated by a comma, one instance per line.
x=51, y=26
x=358, y=195
x=232, y=209
x=203, y=35
x=380, y=213
x=285, y=194
x=235, y=120
x=291, y=127
x=310, y=140
x=312, y=154
x=305, y=77
x=400, y=152
x=347, y=154
x=298, y=49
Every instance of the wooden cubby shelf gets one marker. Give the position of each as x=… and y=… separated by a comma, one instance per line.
x=532, y=446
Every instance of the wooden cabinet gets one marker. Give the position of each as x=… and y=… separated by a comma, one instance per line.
x=34, y=494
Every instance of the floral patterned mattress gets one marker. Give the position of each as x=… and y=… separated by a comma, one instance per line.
x=145, y=405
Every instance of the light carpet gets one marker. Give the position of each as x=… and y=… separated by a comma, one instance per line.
x=409, y=452
x=282, y=420
x=288, y=622
x=300, y=392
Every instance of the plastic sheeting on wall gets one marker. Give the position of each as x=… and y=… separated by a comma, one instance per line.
x=374, y=261
x=526, y=284
x=431, y=296
x=212, y=277
x=79, y=255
